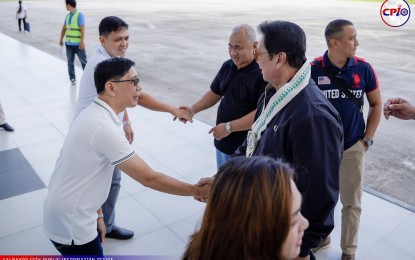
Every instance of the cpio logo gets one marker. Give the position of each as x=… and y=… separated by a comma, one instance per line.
x=395, y=13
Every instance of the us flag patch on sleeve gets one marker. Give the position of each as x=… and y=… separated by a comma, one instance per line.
x=323, y=80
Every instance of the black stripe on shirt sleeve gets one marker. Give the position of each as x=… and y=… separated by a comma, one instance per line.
x=123, y=159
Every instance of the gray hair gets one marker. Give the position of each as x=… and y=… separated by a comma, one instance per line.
x=249, y=32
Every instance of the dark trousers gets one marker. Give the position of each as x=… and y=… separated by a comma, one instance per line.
x=19, y=21
x=92, y=248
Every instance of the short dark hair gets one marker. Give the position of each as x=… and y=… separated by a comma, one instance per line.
x=111, y=69
x=111, y=24
x=284, y=36
x=335, y=28
x=71, y=3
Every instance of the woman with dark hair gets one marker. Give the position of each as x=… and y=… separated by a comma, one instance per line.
x=253, y=212
x=21, y=15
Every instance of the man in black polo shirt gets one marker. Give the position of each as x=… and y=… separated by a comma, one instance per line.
x=238, y=86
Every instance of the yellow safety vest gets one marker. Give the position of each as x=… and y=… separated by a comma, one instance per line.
x=73, y=31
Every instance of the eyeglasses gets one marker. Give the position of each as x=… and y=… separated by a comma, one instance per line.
x=257, y=54
x=135, y=81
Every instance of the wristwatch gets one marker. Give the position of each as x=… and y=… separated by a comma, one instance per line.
x=228, y=127
x=368, y=141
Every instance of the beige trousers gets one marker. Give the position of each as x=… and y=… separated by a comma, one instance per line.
x=2, y=115
x=351, y=185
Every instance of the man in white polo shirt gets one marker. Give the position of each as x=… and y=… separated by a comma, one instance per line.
x=94, y=145
x=114, y=39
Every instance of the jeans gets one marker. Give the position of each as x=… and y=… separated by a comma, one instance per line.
x=92, y=248
x=70, y=53
x=108, y=207
x=221, y=158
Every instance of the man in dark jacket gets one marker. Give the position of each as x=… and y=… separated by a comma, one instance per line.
x=295, y=122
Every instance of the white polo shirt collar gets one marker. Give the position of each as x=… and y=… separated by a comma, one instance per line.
x=103, y=52
x=103, y=105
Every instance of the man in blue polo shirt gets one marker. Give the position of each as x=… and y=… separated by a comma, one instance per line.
x=74, y=29
x=359, y=78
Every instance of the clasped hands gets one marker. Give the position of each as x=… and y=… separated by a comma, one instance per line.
x=204, y=185
x=186, y=113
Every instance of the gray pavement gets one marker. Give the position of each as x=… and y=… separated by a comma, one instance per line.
x=179, y=46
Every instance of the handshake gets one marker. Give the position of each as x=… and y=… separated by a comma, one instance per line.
x=203, y=189
x=184, y=114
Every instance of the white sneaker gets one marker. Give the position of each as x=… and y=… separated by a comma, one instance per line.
x=73, y=82
x=25, y=31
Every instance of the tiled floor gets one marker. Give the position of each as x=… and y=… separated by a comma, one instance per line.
x=17, y=175
x=38, y=99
